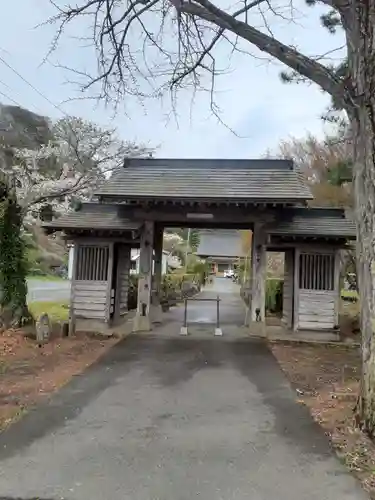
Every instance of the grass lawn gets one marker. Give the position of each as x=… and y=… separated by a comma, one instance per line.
x=349, y=305
x=349, y=294
x=57, y=311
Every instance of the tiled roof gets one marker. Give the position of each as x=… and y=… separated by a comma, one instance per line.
x=245, y=180
x=325, y=222
x=220, y=243
x=94, y=216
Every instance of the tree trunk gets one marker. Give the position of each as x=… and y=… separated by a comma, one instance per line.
x=361, y=43
x=365, y=212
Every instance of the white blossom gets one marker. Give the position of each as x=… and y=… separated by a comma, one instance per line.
x=79, y=156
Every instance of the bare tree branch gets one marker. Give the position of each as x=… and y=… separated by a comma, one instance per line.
x=304, y=65
x=207, y=49
x=197, y=26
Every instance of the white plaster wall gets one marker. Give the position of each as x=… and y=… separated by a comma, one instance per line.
x=164, y=264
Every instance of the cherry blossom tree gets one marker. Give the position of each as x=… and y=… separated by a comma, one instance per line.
x=69, y=166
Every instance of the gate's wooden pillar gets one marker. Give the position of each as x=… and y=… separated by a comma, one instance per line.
x=296, y=290
x=110, y=285
x=142, y=320
x=122, y=281
x=246, y=287
x=73, y=277
x=259, y=276
x=288, y=288
x=156, y=312
x=337, y=287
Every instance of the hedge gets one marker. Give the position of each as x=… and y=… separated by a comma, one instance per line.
x=175, y=287
x=274, y=295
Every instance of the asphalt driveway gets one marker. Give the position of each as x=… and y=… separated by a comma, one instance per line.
x=174, y=419
x=45, y=291
x=232, y=309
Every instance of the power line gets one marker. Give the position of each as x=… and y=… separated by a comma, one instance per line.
x=10, y=99
x=56, y=106
x=5, y=85
x=7, y=96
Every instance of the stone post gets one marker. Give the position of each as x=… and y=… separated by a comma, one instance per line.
x=142, y=320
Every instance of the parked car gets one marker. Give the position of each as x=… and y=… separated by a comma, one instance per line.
x=229, y=273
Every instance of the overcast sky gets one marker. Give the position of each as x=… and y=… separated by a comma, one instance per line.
x=252, y=99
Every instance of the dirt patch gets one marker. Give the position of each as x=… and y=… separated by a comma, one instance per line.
x=29, y=373
x=326, y=379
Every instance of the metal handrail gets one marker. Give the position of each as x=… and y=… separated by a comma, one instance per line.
x=208, y=299
x=203, y=299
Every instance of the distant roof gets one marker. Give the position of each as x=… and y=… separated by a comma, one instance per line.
x=93, y=216
x=203, y=179
x=220, y=243
x=315, y=222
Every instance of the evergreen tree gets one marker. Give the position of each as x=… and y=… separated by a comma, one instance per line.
x=13, y=268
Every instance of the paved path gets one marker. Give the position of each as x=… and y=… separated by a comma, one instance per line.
x=55, y=291
x=174, y=419
x=232, y=310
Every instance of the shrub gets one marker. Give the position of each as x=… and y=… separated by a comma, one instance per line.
x=174, y=287
x=241, y=270
x=274, y=295
x=200, y=270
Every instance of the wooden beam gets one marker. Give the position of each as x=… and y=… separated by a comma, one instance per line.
x=119, y=236
x=234, y=215
x=102, y=240
x=153, y=201
x=275, y=246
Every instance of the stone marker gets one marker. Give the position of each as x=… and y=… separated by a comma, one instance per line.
x=43, y=329
x=65, y=329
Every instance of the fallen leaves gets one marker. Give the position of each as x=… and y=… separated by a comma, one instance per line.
x=29, y=372
x=326, y=379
